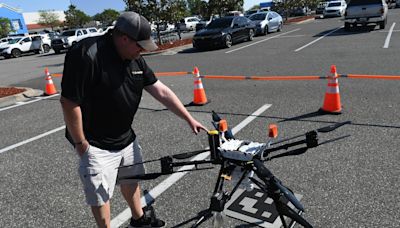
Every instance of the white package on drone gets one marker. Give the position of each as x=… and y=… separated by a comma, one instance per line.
x=240, y=150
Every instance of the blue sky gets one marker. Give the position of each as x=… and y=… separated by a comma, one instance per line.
x=90, y=7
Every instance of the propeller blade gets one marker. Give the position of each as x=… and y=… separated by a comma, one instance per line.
x=148, y=176
x=332, y=127
x=188, y=154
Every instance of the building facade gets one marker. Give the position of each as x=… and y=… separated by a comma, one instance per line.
x=16, y=18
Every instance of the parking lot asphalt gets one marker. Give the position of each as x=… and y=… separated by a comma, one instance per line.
x=351, y=180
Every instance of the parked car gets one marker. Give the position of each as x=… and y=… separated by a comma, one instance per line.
x=366, y=12
x=267, y=22
x=190, y=22
x=300, y=11
x=224, y=32
x=68, y=38
x=335, y=9
x=321, y=6
x=248, y=13
x=5, y=40
x=32, y=43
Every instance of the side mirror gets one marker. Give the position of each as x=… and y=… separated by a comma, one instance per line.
x=270, y=18
x=22, y=42
x=235, y=25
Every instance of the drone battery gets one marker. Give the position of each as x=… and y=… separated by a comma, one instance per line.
x=240, y=150
x=213, y=140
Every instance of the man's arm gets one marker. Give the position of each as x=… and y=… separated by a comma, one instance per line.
x=73, y=120
x=168, y=98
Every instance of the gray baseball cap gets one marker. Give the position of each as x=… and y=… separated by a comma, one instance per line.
x=136, y=27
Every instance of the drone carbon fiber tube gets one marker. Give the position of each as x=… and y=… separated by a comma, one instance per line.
x=213, y=140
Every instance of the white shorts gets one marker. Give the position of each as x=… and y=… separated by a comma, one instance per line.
x=98, y=171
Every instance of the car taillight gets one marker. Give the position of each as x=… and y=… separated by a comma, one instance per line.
x=382, y=10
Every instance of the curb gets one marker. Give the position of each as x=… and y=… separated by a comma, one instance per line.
x=20, y=97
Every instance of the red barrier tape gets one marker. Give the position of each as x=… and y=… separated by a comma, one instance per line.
x=262, y=78
x=171, y=73
x=362, y=76
x=271, y=78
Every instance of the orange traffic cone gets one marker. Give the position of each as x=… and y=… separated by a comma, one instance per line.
x=332, y=97
x=199, y=93
x=50, y=87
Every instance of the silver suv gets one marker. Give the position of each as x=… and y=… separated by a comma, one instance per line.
x=366, y=12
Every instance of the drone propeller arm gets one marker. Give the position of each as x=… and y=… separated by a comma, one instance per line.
x=266, y=175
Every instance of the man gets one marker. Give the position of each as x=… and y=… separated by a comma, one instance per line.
x=102, y=86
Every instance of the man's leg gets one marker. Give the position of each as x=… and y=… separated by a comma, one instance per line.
x=131, y=194
x=102, y=215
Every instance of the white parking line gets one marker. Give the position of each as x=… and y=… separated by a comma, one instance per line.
x=387, y=41
x=172, y=179
x=261, y=41
x=293, y=36
x=298, y=49
x=31, y=139
x=28, y=102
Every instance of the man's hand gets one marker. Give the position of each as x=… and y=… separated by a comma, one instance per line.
x=82, y=148
x=196, y=126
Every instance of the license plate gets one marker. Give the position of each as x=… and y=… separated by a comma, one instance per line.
x=363, y=19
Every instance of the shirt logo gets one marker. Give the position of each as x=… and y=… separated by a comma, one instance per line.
x=137, y=72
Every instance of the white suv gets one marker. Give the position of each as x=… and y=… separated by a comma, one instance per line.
x=190, y=22
x=335, y=8
x=31, y=43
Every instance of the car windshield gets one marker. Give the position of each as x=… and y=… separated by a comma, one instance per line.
x=250, y=12
x=68, y=33
x=257, y=17
x=332, y=4
x=364, y=2
x=13, y=41
x=220, y=23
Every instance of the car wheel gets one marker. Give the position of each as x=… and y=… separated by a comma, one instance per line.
x=228, y=41
x=382, y=24
x=16, y=53
x=280, y=27
x=46, y=48
x=251, y=35
x=265, y=30
x=347, y=26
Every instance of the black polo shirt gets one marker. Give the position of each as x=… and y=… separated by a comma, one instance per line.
x=107, y=88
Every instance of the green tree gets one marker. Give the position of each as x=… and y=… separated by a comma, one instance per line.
x=159, y=11
x=75, y=18
x=5, y=27
x=223, y=6
x=197, y=7
x=48, y=18
x=107, y=16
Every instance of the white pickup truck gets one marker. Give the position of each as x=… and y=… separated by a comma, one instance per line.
x=366, y=12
